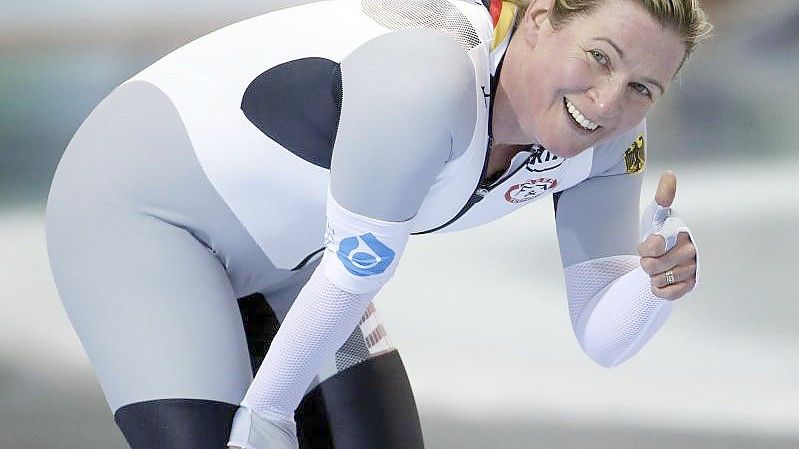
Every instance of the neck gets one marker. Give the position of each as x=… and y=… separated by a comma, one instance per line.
x=505, y=125
x=499, y=159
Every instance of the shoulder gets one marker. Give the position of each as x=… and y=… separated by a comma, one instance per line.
x=418, y=79
x=422, y=59
x=466, y=21
x=624, y=154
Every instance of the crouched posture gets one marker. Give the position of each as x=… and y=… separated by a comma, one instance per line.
x=242, y=164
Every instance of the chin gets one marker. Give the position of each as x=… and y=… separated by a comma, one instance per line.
x=565, y=152
x=571, y=144
x=563, y=149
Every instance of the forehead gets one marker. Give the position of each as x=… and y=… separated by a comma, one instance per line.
x=645, y=43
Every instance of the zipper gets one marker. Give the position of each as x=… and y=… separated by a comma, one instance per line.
x=480, y=191
x=535, y=151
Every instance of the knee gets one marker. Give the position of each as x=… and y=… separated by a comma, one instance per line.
x=176, y=424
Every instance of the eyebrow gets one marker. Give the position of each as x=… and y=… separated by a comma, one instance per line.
x=657, y=84
x=612, y=44
x=621, y=55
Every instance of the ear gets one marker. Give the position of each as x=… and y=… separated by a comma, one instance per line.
x=536, y=19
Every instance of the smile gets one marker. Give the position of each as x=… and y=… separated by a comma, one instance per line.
x=578, y=118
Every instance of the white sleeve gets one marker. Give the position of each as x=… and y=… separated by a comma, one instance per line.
x=361, y=253
x=613, y=310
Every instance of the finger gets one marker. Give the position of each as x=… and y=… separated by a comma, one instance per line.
x=653, y=246
x=667, y=189
x=683, y=253
x=680, y=272
x=674, y=291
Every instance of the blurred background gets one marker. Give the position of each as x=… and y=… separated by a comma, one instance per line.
x=488, y=343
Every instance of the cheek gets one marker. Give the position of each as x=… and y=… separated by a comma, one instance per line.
x=548, y=84
x=567, y=74
x=576, y=73
x=633, y=114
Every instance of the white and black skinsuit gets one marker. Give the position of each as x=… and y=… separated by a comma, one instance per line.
x=226, y=168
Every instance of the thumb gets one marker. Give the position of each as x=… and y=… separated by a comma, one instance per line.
x=667, y=188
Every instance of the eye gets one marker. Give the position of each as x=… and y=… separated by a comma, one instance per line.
x=600, y=57
x=641, y=89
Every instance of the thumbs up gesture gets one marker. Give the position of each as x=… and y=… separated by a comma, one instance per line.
x=667, y=250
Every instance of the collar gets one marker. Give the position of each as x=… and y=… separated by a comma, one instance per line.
x=503, y=15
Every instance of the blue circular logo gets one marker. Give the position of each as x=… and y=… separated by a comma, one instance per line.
x=364, y=255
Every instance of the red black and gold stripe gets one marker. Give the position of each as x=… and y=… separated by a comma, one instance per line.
x=502, y=15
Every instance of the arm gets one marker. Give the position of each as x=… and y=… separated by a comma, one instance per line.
x=405, y=113
x=612, y=302
x=407, y=107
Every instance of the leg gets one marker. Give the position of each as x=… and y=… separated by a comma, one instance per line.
x=151, y=302
x=158, y=319
x=361, y=399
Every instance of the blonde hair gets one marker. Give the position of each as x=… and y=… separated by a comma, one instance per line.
x=686, y=17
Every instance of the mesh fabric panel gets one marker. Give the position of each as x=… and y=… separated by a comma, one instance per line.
x=353, y=352
x=437, y=15
x=616, y=322
x=367, y=340
x=320, y=321
x=584, y=280
x=627, y=324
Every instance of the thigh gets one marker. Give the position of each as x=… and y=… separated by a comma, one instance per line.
x=154, y=311
x=158, y=319
x=150, y=299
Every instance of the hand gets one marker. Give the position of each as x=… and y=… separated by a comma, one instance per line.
x=259, y=432
x=668, y=248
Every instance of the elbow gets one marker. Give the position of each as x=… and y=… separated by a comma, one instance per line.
x=604, y=359
x=606, y=353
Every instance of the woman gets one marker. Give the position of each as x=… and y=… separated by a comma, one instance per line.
x=248, y=163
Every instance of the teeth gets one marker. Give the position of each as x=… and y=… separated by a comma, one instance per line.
x=580, y=118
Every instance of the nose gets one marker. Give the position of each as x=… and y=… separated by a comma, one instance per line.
x=608, y=97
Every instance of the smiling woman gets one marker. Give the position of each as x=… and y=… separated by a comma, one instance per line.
x=605, y=68
x=246, y=182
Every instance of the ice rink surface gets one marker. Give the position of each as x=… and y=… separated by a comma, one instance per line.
x=481, y=320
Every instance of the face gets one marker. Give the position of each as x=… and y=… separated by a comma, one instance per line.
x=592, y=79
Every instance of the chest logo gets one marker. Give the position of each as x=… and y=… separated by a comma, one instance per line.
x=635, y=156
x=529, y=189
x=542, y=160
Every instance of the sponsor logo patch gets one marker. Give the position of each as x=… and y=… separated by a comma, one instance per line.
x=542, y=160
x=635, y=156
x=529, y=189
x=364, y=255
